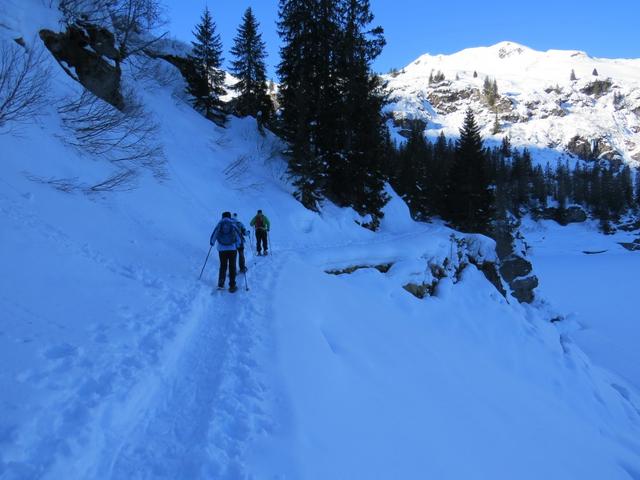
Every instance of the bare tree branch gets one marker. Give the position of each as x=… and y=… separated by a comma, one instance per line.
x=127, y=139
x=24, y=83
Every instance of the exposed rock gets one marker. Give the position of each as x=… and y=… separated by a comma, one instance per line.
x=83, y=51
x=633, y=247
x=445, y=100
x=595, y=149
x=418, y=290
x=181, y=63
x=573, y=214
x=555, y=112
x=502, y=234
x=513, y=267
x=490, y=272
x=102, y=41
x=581, y=147
x=522, y=289
x=513, y=117
x=407, y=125
x=382, y=268
x=631, y=227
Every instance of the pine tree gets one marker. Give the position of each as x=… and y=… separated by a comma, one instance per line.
x=206, y=83
x=505, y=147
x=469, y=194
x=595, y=72
x=331, y=102
x=249, y=67
x=360, y=163
x=298, y=96
x=496, y=126
x=490, y=90
x=572, y=77
x=439, y=175
x=626, y=187
x=539, y=187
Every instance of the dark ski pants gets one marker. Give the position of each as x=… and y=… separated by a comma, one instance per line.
x=227, y=261
x=241, y=260
x=261, y=240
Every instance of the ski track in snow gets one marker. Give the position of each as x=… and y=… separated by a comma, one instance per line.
x=183, y=404
x=200, y=424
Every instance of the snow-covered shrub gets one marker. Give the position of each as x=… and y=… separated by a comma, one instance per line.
x=24, y=83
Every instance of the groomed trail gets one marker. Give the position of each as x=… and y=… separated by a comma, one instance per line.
x=200, y=421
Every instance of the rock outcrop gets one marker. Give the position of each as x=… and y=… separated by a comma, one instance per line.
x=514, y=268
x=88, y=54
x=564, y=216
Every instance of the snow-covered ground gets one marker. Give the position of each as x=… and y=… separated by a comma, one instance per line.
x=596, y=290
x=116, y=362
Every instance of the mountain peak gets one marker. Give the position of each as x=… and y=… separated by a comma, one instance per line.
x=508, y=49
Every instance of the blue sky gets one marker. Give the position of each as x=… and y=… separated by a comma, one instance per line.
x=413, y=27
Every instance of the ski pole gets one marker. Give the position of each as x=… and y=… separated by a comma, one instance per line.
x=246, y=283
x=205, y=262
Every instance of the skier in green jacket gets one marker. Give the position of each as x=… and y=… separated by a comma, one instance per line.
x=261, y=225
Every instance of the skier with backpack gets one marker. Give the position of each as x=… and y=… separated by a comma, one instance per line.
x=227, y=236
x=243, y=233
x=261, y=225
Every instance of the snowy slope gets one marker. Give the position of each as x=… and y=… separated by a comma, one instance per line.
x=592, y=288
x=539, y=105
x=117, y=363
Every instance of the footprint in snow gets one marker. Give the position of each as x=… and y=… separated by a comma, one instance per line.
x=60, y=351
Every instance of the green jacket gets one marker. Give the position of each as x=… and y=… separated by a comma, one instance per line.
x=265, y=222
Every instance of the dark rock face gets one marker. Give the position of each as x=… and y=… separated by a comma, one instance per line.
x=523, y=288
x=84, y=49
x=632, y=247
x=514, y=267
x=573, y=214
x=599, y=148
x=445, y=99
x=407, y=125
x=181, y=63
x=580, y=147
x=490, y=272
x=418, y=291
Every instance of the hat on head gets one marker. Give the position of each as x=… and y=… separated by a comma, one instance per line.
x=226, y=214
x=235, y=215
x=259, y=211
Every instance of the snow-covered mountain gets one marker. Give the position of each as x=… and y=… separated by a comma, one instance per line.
x=539, y=105
x=118, y=362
